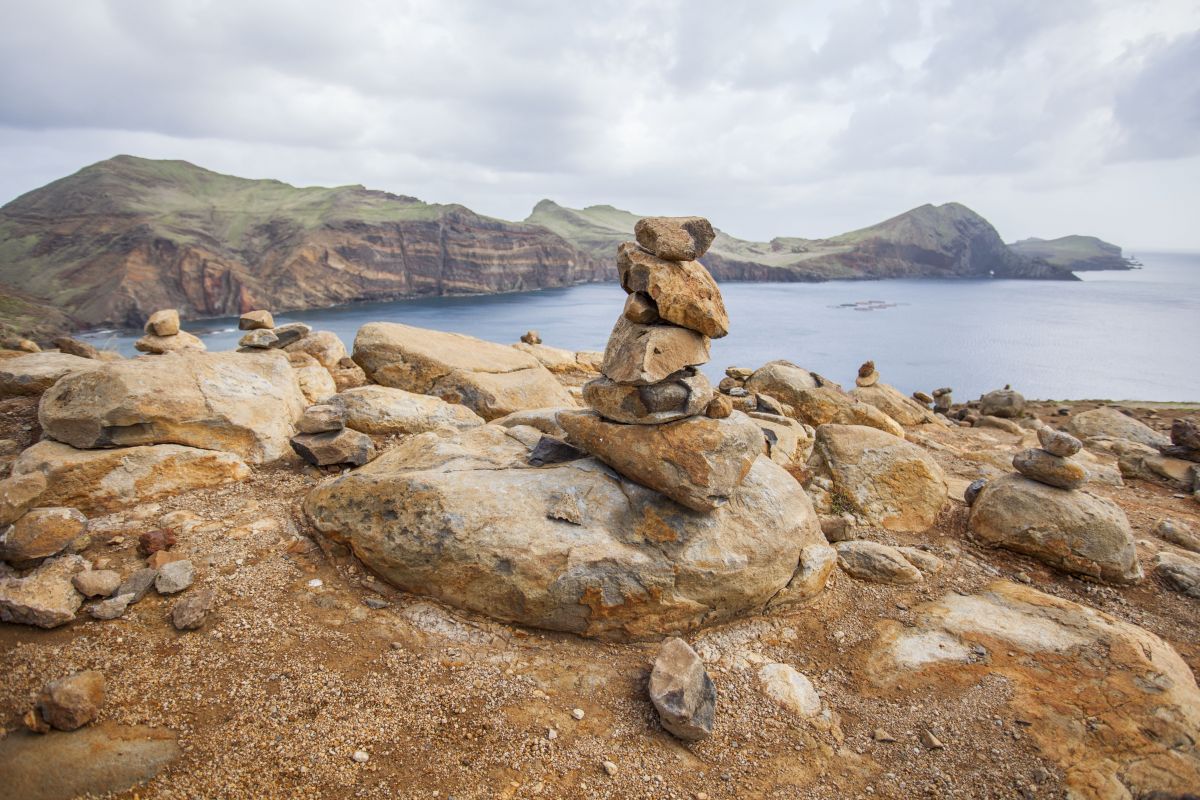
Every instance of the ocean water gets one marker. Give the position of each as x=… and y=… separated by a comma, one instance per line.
x=1114, y=335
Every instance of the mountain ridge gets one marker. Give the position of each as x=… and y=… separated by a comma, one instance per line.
x=115, y=241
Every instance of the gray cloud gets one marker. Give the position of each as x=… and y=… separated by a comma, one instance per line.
x=771, y=117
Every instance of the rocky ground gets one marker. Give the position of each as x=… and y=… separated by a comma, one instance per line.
x=314, y=679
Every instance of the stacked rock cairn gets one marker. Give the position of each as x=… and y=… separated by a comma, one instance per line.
x=1052, y=463
x=656, y=418
x=263, y=335
x=163, y=334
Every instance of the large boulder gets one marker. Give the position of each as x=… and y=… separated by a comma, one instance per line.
x=1111, y=705
x=894, y=403
x=698, y=461
x=888, y=481
x=101, y=481
x=1003, y=403
x=1072, y=530
x=490, y=379
x=781, y=380
x=570, y=546
x=1107, y=421
x=385, y=410
x=37, y=372
x=239, y=403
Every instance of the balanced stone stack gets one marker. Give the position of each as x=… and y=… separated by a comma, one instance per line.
x=163, y=335
x=655, y=417
x=1052, y=464
x=324, y=440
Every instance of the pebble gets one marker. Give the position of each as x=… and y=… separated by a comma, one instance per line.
x=577, y=713
x=551, y=733
x=610, y=768
x=316, y=583
x=361, y=756
x=190, y=613
x=880, y=735
x=138, y=583
x=931, y=741
x=376, y=603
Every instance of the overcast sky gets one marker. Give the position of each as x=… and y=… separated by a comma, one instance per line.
x=792, y=118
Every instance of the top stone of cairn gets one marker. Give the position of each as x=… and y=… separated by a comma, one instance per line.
x=675, y=238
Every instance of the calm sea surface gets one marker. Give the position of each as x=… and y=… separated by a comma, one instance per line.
x=1114, y=335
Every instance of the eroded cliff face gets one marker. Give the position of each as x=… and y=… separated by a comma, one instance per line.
x=123, y=238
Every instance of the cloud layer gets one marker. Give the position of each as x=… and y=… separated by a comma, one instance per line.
x=1075, y=116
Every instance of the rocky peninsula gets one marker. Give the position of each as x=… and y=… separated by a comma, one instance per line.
x=427, y=565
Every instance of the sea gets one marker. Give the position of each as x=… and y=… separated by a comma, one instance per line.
x=1120, y=335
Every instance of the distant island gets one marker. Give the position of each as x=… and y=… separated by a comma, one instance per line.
x=119, y=239
x=1076, y=253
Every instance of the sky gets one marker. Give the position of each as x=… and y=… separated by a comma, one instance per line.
x=1048, y=117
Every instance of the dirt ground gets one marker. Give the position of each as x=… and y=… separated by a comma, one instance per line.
x=295, y=672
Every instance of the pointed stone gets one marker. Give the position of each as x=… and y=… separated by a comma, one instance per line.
x=698, y=462
x=645, y=354
x=675, y=238
x=683, y=291
x=682, y=692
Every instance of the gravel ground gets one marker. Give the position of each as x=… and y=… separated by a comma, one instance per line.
x=295, y=672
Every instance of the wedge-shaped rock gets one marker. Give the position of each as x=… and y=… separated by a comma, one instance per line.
x=1052, y=470
x=256, y=320
x=45, y=597
x=890, y=482
x=237, y=402
x=164, y=322
x=101, y=481
x=698, y=462
x=645, y=354
x=385, y=410
x=895, y=404
x=346, y=446
x=1180, y=572
x=684, y=394
x=1110, y=704
x=879, y=563
x=1109, y=422
x=175, y=343
x=37, y=372
x=675, y=238
x=1074, y=531
x=18, y=494
x=682, y=291
x=569, y=546
x=259, y=338
x=683, y=694
x=490, y=379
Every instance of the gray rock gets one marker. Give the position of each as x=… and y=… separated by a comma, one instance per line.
x=111, y=608
x=1178, y=533
x=1179, y=572
x=682, y=692
x=1004, y=403
x=322, y=418
x=174, y=576
x=191, y=612
x=1059, y=443
x=292, y=332
x=259, y=339
x=1107, y=421
x=97, y=582
x=549, y=450
x=346, y=446
x=45, y=597
x=973, y=490
x=878, y=563
x=138, y=583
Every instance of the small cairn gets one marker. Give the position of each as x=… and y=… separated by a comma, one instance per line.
x=655, y=418
x=867, y=375
x=943, y=400
x=324, y=439
x=262, y=334
x=163, y=335
x=531, y=337
x=1052, y=464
